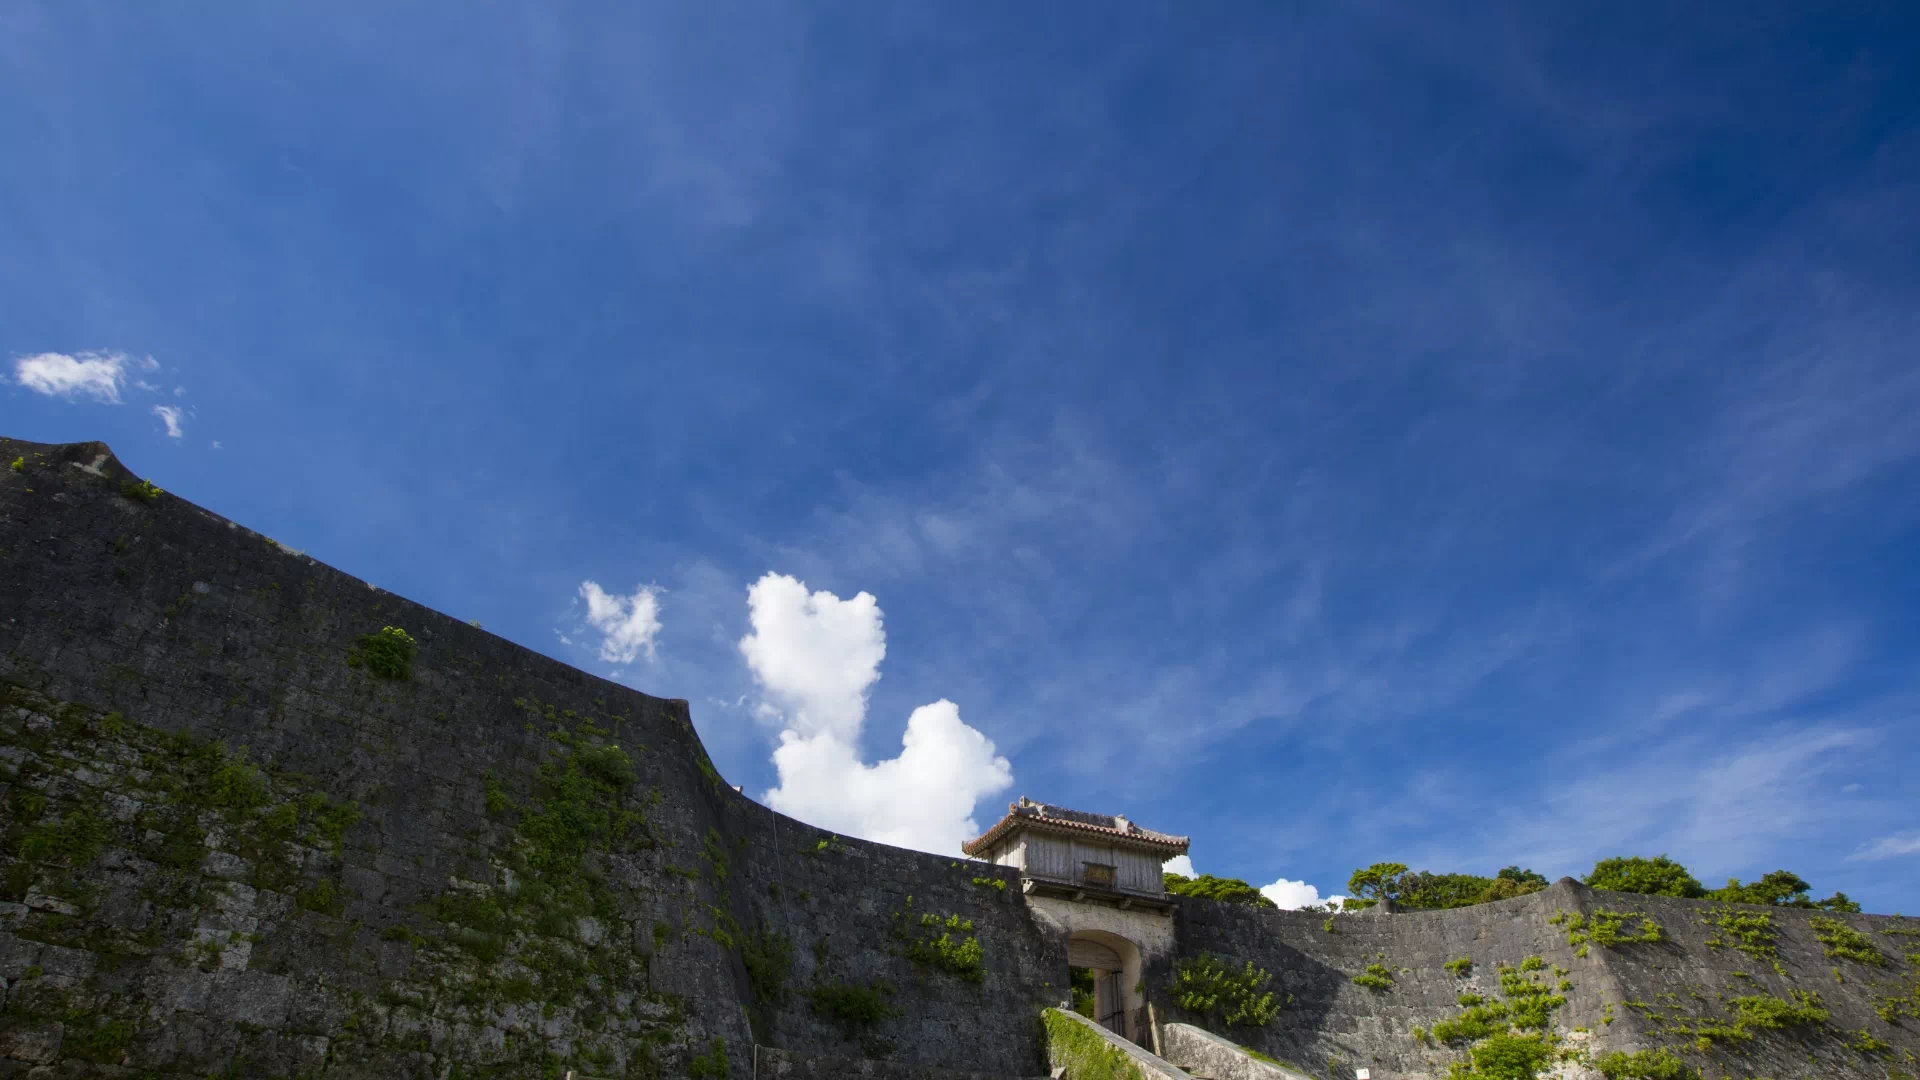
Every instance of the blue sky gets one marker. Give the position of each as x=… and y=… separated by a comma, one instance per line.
x=1340, y=432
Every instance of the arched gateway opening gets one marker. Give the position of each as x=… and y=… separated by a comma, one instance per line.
x=1096, y=880
x=1106, y=981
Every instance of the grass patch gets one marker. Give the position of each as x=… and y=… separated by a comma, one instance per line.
x=1083, y=1053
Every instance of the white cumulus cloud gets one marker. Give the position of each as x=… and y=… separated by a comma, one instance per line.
x=1293, y=895
x=81, y=375
x=172, y=417
x=627, y=624
x=815, y=656
x=1181, y=865
x=923, y=798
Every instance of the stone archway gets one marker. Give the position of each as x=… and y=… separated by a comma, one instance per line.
x=1119, y=1000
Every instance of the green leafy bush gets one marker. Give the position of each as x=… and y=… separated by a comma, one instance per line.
x=1208, y=887
x=1658, y=876
x=1461, y=967
x=1504, y=1057
x=1661, y=876
x=387, y=654
x=1645, y=1065
x=1212, y=987
x=1376, y=977
x=1480, y=1019
x=1422, y=890
x=19, y=464
x=1780, y=888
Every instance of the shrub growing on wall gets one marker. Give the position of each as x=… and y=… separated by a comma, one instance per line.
x=1658, y=876
x=387, y=654
x=1212, y=987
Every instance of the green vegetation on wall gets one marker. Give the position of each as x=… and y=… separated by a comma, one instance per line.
x=1375, y=977
x=1508, y=1038
x=388, y=654
x=142, y=491
x=1745, y=1016
x=855, y=1009
x=1842, y=942
x=1606, y=928
x=1750, y=932
x=934, y=943
x=1657, y=1064
x=1212, y=987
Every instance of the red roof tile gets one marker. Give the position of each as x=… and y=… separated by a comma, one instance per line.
x=1048, y=818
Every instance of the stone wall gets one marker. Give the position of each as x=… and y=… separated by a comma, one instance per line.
x=229, y=846
x=447, y=925
x=1631, y=996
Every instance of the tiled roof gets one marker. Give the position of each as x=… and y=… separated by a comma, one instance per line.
x=1027, y=814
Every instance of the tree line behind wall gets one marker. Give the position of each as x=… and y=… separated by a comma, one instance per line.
x=1425, y=890
x=1422, y=890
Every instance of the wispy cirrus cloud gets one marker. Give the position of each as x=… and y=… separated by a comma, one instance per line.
x=91, y=376
x=1888, y=847
x=172, y=417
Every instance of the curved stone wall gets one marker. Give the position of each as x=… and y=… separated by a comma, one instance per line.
x=228, y=846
